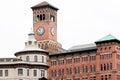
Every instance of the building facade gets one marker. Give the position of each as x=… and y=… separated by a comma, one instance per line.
x=97, y=61
x=44, y=57
x=29, y=64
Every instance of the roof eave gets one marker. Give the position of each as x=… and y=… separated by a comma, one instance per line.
x=36, y=7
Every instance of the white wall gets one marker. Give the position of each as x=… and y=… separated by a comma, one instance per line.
x=13, y=74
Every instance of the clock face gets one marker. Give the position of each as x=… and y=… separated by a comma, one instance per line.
x=40, y=30
x=52, y=31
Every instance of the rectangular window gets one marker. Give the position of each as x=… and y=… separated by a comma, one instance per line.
x=1, y=73
x=62, y=73
x=42, y=59
x=54, y=73
x=20, y=72
x=83, y=68
x=35, y=72
x=76, y=60
x=86, y=69
x=6, y=72
x=68, y=61
x=91, y=68
x=110, y=66
x=27, y=72
x=42, y=73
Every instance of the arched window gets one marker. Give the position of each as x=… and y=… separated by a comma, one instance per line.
x=27, y=58
x=52, y=18
x=35, y=58
x=38, y=18
x=43, y=16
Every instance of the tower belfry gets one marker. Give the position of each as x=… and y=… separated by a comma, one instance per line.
x=45, y=27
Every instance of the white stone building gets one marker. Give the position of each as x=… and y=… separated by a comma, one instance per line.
x=29, y=64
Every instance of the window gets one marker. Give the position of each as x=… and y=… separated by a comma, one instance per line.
x=61, y=62
x=42, y=59
x=104, y=66
x=91, y=68
x=30, y=42
x=27, y=58
x=101, y=67
x=76, y=59
x=83, y=68
x=1, y=73
x=86, y=69
x=52, y=18
x=62, y=72
x=35, y=72
x=75, y=70
x=84, y=58
x=102, y=77
x=110, y=66
x=6, y=72
x=35, y=58
x=43, y=16
x=38, y=19
x=53, y=63
x=20, y=72
x=67, y=71
x=54, y=73
x=27, y=72
x=70, y=70
x=94, y=68
x=78, y=69
x=68, y=61
x=107, y=66
x=42, y=73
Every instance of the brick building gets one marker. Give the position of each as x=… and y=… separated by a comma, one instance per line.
x=97, y=61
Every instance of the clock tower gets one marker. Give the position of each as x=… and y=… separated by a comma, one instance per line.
x=45, y=27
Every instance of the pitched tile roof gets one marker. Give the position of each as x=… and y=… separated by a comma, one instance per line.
x=43, y=4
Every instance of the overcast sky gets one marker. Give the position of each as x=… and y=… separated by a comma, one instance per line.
x=79, y=22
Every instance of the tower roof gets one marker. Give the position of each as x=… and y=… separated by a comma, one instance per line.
x=31, y=44
x=107, y=38
x=44, y=4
